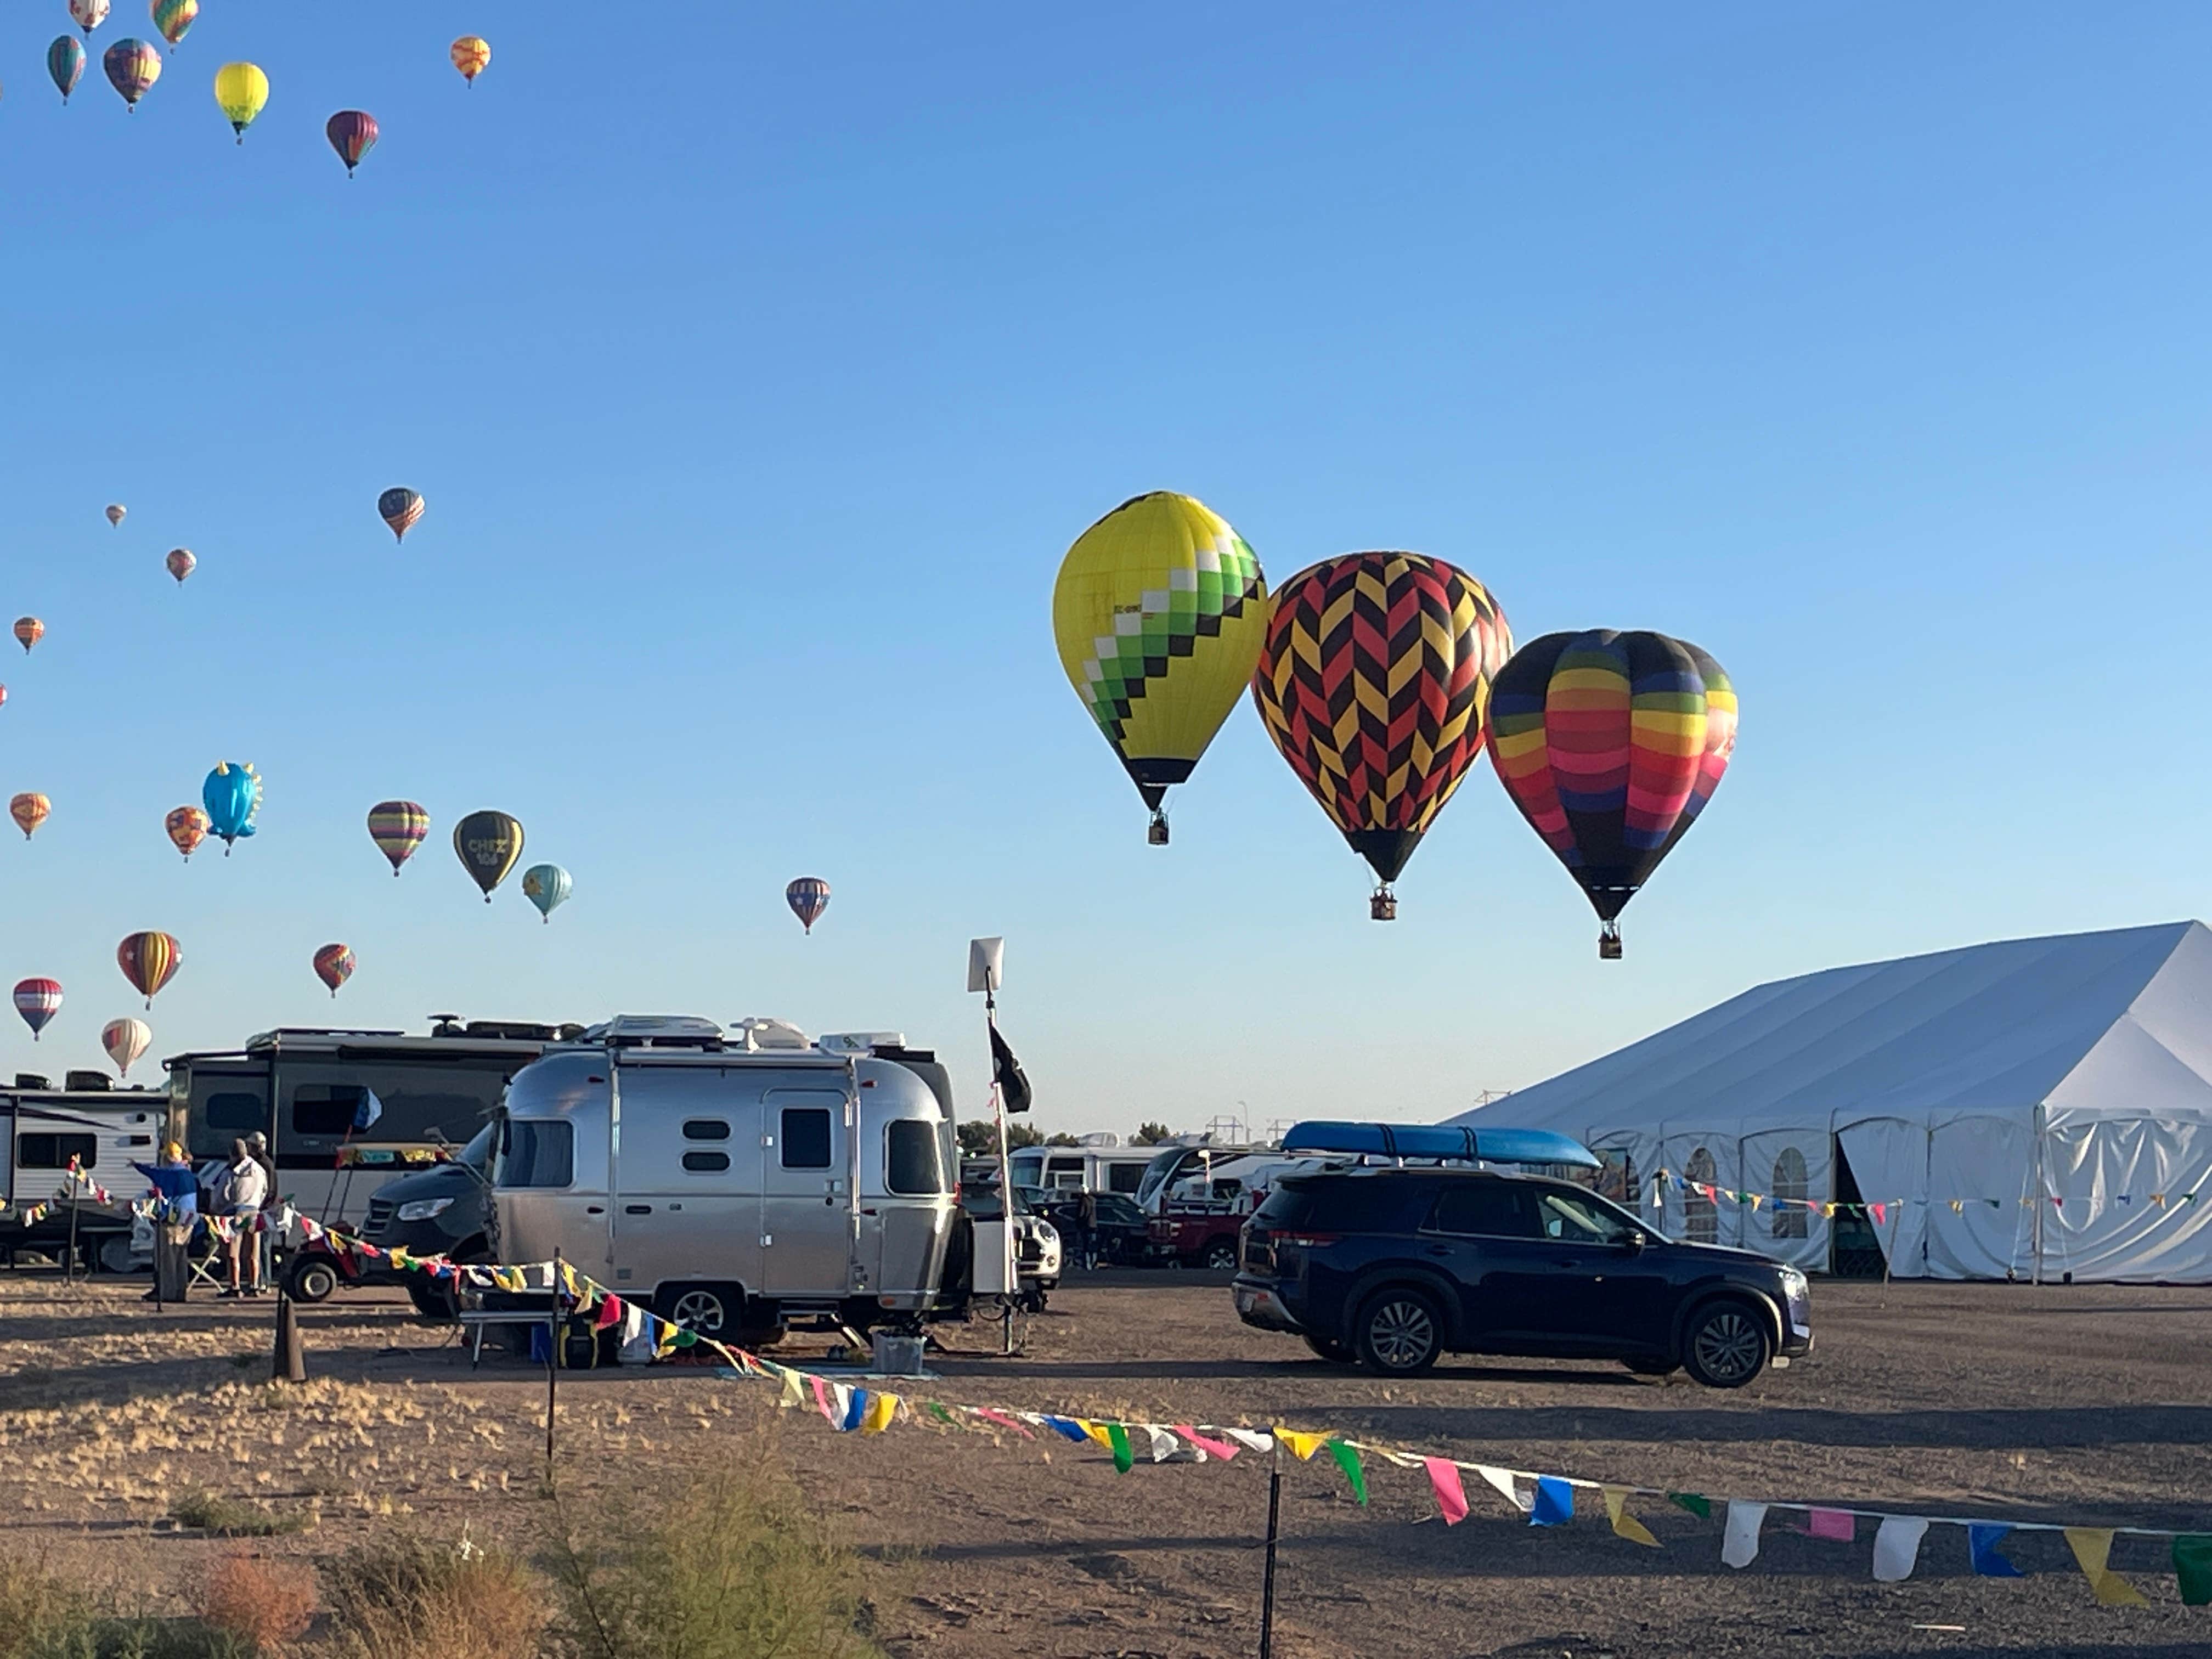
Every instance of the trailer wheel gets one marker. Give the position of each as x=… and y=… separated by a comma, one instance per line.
x=709, y=1310
x=115, y=1254
x=314, y=1280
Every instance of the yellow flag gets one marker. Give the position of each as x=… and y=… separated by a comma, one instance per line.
x=1096, y=1431
x=1302, y=1446
x=882, y=1408
x=2093, y=1548
x=791, y=1395
x=1627, y=1525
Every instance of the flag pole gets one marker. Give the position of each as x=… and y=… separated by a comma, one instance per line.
x=1268, y=1582
x=1006, y=1168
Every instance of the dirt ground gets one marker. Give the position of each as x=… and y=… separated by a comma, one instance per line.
x=2088, y=1405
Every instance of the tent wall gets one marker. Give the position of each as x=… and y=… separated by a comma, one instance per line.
x=1985, y=1162
x=2090, y=1158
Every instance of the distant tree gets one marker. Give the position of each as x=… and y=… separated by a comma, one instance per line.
x=1063, y=1138
x=1020, y=1135
x=1152, y=1135
x=979, y=1140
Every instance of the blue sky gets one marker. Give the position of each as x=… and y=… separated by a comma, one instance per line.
x=758, y=365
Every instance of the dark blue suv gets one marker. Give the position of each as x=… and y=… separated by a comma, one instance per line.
x=1393, y=1267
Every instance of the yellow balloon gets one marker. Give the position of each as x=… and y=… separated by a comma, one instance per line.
x=241, y=90
x=471, y=53
x=1159, y=613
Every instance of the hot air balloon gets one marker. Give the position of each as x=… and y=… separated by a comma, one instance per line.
x=352, y=133
x=808, y=897
x=240, y=91
x=132, y=68
x=1374, y=682
x=116, y=509
x=1611, y=744
x=29, y=811
x=29, y=630
x=3, y=695
x=548, y=887
x=181, y=563
x=88, y=15
x=173, y=17
x=124, y=1041
x=399, y=507
x=65, y=64
x=334, y=966
x=490, y=846
x=38, y=1000
x=232, y=795
x=188, y=827
x=397, y=828
x=1158, y=611
x=471, y=55
x=148, y=961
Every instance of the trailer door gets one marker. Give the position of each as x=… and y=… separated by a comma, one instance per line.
x=806, y=1203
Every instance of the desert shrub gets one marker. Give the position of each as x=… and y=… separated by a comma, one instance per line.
x=736, y=1567
x=412, y=1598
x=261, y=1605
x=40, y=1614
x=226, y=1518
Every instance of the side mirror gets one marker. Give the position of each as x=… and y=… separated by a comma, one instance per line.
x=1634, y=1242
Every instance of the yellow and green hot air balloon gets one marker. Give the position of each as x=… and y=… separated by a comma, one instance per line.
x=241, y=90
x=1159, y=612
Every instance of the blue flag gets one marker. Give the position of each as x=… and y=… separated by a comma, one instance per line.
x=1555, y=1503
x=367, y=1109
x=1982, y=1541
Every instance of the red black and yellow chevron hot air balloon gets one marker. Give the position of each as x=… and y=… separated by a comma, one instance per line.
x=1611, y=744
x=148, y=961
x=1374, y=680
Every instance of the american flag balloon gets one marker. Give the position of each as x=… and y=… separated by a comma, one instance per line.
x=38, y=1000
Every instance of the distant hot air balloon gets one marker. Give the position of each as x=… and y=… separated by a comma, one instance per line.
x=399, y=507
x=132, y=68
x=65, y=64
x=29, y=809
x=124, y=1041
x=148, y=961
x=232, y=795
x=1611, y=744
x=181, y=563
x=334, y=966
x=240, y=91
x=490, y=846
x=188, y=827
x=352, y=133
x=472, y=54
x=38, y=1000
x=29, y=630
x=397, y=828
x=1374, y=684
x=3, y=695
x=808, y=897
x=173, y=17
x=1158, y=611
x=115, y=512
x=88, y=15
x=548, y=887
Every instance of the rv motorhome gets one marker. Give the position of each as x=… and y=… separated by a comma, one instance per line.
x=736, y=1181
x=104, y=1129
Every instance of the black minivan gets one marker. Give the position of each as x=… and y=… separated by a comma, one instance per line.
x=1395, y=1268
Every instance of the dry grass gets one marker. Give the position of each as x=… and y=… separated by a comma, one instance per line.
x=260, y=1605
x=226, y=1518
x=409, y=1598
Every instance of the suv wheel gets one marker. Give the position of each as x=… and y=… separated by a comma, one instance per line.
x=313, y=1280
x=1726, y=1344
x=1331, y=1350
x=1399, y=1332
x=1221, y=1256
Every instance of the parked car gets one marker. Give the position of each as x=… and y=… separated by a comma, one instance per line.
x=1120, y=1225
x=1036, y=1241
x=1395, y=1268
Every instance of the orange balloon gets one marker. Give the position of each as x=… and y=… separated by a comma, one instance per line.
x=29, y=811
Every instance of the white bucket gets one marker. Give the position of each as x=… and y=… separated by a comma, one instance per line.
x=897, y=1356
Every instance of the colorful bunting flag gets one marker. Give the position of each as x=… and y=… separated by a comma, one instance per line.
x=1443, y=1480
x=1836, y=1526
x=1696, y=1502
x=1740, y=1539
x=791, y=1395
x=1502, y=1481
x=852, y=1407
x=1897, y=1547
x=1554, y=1504
x=1301, y=1446
x=1117, y=1442
x=1347, y=1459
x=882, y=1408
x=1983, y=1538
x=1625, y=1525
x=1221, y=1448
x=2192, y=1565
x=2092, y=1550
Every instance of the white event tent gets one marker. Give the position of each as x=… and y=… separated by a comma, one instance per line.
x=2042, y=1106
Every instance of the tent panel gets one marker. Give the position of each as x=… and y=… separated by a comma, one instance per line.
x=2092, y=1161
x=1985, y=1162
x=1889, y=1156
x=1788, y=1164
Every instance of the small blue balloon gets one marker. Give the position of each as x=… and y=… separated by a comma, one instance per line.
x=547, y=886
x=232, y=795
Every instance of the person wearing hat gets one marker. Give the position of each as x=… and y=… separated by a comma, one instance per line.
x=241, y=1190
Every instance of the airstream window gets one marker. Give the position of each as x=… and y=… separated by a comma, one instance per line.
x=805, y=1137
x=707, y=1128
x=912, y=1165
x=706, y=1163
x=537, y=1153
x=51, y=1151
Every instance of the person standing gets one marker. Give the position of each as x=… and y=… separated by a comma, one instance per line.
x=1086, y=1228
x=256, y=1147
x=241, y=1194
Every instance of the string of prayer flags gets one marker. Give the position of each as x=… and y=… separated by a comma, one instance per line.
x=1983, y=1538
x=1897, y=1547
x=1739, y=1538
x=1625, y=1525
x=1443, y=1480
x=2093, y=1552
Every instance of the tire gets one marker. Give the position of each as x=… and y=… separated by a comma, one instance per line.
x=314, y=1280
x=1328, y=1348
x=1399, y=1332
x=1653, y=1367
x=1221, y=1256
x=1033, y=1301
x=436, y=1299
x=115, y=1254
x=1726, y=1344
x=709, y=1310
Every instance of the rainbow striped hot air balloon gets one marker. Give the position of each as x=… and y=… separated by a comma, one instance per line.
x=65, y=64
x=334, y=966
x=148, y=961
x=132, y=68
x=397, y=828
x=352, y=133
x=808, y=897
x=1611, y=744
x=173, y=17
x=38, y=1000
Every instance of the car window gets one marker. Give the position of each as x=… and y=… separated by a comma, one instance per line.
x=1485, y=1209
x=1578, y=1219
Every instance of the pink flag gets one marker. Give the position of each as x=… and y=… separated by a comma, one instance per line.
x=1836, y=1526
x=822, y=1401
x=988, y=1416
x=1451, y=1496
x=1220, y=1449
x=1881, y=1212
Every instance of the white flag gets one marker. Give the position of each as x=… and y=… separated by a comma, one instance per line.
x=1740, y=1543
x=1507, y=1487
x=1897, y=1547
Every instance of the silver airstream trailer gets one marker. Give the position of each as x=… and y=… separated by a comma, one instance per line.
x=736, y=1181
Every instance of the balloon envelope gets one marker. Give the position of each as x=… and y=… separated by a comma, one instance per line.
x=148, y=961
x=1158, y=612
x=173, y=17
x=399, y=507
x=334, y=965
x=240, y=91
x=115, y=511
x=29, y=809
x=397, y=828
x=188, y=827
x=181, y=563
x=547, y=886
x=490, y=846
x=1611, y=744
x=132, y=68
x=124, y=1041
x=1375, y=684
x=471, y=53
x=88, y=15
x=808, y=897
x=38, y=1000
x=232, y=795
x=352, y=133
x=65, y=64
x=29, y=630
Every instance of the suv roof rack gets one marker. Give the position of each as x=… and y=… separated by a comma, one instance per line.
x=1451, y=1142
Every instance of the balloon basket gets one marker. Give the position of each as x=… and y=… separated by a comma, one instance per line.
x=1156, y=832
x=1384, y=905
x=1608, y=943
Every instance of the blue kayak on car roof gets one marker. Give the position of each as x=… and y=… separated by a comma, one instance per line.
x=1448, y=1140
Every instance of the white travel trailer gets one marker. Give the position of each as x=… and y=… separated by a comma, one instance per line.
x=104, y=1130
x=736, y=1181
x=1099, y=1165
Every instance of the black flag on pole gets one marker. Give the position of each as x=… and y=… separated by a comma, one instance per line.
x=1006, y=1072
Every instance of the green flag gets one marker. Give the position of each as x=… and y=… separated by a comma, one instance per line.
x=1118, y=1437
x=1696, y=1502
x=1347, y=1459
x=2192, y=1565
